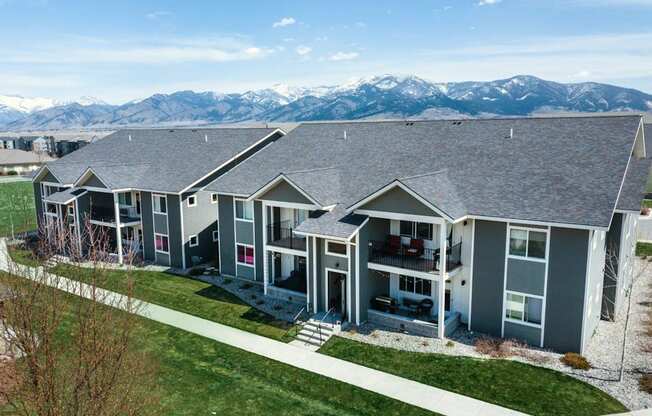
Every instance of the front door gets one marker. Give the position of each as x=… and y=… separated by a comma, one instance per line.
x=337, y=292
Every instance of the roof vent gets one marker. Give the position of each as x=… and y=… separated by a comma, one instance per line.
x=206, y=138
x=409, y=123
x=511, y=134
x=130, y=137
x=344, y=134
x=171, y=131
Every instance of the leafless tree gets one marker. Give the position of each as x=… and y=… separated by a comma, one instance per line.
x=75, y=356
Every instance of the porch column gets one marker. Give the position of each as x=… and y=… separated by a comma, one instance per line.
x=308, y=263
x=265, y=252
x=118, y=231
x=441, y=284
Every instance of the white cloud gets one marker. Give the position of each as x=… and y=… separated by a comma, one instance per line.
x=286, y=21
x=361, y=25
x=343, y=56
x=303, y=50
x=157, y=15
x=488, y=2
x=614, y=3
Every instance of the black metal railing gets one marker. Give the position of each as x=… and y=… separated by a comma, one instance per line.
x=103, y=214
x=413, y=258
x=281, y=234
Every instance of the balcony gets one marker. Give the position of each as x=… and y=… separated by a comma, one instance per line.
x=281, y=234
x=107, y=215
x=413, y=257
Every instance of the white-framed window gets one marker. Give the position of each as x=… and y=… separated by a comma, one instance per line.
x=161, y=243
x=192, y=201
x=160, y=204
x=193, y=241
x=245, y=254
x=124, y=198
x=420, y=230
x=71, y=210
x=333, y=248
x=216, y=236
x=527, y=243
x=244, y=210
x=415, y=285
x=214, y=198
x=522, y=308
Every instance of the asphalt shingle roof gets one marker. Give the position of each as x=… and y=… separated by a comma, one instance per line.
x=65, y=196
x=559, y=169
x=166, y=160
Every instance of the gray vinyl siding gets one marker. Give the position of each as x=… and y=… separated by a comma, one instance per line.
x=371, y=284
x=83, y=209
x=398, y=201
x=38, y=201
x=174, y=232
x=258, y=241
x=488, y=277
x=199, y=220
x=94, y=182
x=609, y=287
x=319, y=266
x=161, y=223
x=565, y=289
x=148, y=225
x=526, y=276
x=354, y=289
x=525, y=333
x=49, y=177
x=245, y=272
x=284, y=192
x=227, y=241
x=244, y=232
x=309, y=272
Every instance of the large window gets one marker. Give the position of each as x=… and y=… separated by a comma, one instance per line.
x=244, y=210
x=160, y=204
x=161, y=243
x=124, y=198
x=335, y=249
x=527, y=243
x=415, y=285
x=421, y=230
x=523, y=308
x=245, y=255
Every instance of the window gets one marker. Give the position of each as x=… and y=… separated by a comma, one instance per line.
x=216, y=236
x=245, y=255
x=527, y=243
x=335, y=249
x=124, y=198
x=51, y=208
x=213, y=198
x=71, y=210
x=415, y=285
x=192, y=201
x=421, y=230
x=523, y=308
x=160, y=204
x=161, y=243
x=244, y=210
x=193, y=241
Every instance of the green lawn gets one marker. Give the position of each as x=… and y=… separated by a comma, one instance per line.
x=647, y=203
x=190, y=296
x=198, y=376
x=17, y=207
x=644, y=249
x=23, y=256
x=519, y=386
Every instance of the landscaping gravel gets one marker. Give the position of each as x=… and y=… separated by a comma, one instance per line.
x=603, y=351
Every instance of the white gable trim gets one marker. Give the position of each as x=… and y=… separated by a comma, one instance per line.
x=84, y=176
x=275, y=182
x=43, y=169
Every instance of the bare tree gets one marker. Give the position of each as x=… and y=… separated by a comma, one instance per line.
x=75, y=356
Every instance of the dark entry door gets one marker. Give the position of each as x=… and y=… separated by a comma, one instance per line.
x=337, y=292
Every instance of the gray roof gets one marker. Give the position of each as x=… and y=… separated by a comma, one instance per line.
x=64, y=197
x=559, y=169
x=335, y=223
x=166, y=160
x=633, y=190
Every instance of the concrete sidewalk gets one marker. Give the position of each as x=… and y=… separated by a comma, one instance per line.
x=404, y=390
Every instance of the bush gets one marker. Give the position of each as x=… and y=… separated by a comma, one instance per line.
x=576, y=361
x=12, y=173
x=645, y=211
x=645, y=383
x=450, y=344
x=495, y=348
x=196, y=271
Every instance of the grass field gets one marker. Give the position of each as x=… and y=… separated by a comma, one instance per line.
x=198, y=376
x=17, y=206
x=523, y=387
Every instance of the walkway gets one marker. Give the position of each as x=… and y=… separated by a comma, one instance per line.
x=404, y=390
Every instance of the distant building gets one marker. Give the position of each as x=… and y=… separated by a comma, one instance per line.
x=21, y=162
x=64, y=147
x=41, y=145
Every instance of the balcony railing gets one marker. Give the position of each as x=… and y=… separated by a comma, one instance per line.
x=107, y=215
x=281, y=234
x=419, y=259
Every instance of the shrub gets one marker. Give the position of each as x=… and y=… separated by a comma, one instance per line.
x=576, y=361
x=196, y=271
x=645, y=211
x=424, y=343
x=498, y=348
x=12, y=173
x=645, y=383
x=450, y=344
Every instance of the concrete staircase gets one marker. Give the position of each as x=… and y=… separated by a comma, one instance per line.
x=310, y=336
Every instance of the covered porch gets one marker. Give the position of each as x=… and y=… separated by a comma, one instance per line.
x=286, y=275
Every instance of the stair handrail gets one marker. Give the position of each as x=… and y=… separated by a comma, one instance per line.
x=296, y=319
x=321, y=322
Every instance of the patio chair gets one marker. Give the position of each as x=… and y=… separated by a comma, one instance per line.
x=393, y=245
x=416, y=248
x=425, y=306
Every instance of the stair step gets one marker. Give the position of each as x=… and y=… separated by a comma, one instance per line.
x=310, y=340
x=314, y=335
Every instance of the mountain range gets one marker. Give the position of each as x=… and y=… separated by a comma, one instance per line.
x=386, y=96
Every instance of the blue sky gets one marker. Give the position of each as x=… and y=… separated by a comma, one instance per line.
x=121, y=50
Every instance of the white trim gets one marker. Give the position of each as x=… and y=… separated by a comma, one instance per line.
x=95, y=189
x=194, y=197
x=308, y=261
x=265, y=253
x=237, y=263
x=502, y=307
x=327, y=237
x=167, y=208
x=40, y=171
x=398, y=270
x=585, y=306
x=330, y=253
x=546, y=231
x=213, y=194
x=277, y=130
x=118, y=230
x=161, y=251
x=400, y=217
x=348, y=284
x=216, y=240
x=357, y=279
x=269, y=185
x=471, y=272
x=392, y=185
x=532, y=222
x=190, y=244
x=89, y=171
x=283, y=250
x=314, y=273
x=235, y=211
x=183, y=234
x=524, y=322
x=441, y=284
x=295, y=205
x=545, y=288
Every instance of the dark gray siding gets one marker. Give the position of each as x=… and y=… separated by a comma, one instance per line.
x=372, y=283
x=227, y=242
x=284, y=192
x=244, y=232
x=525, y=333
x=148, y=225
x=161, y=223
x=488, y=277
x=49, y=178
x=565, y=290
x=258, y=238
x=94, y=182
x=83, y=209
x=609, y=287
x=38, y=201
x=199, y=220
x=526, y=276
x=397, y=200
x=174, y=232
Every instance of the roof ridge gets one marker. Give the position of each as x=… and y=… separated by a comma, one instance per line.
x=437, y=172
x=308, y=170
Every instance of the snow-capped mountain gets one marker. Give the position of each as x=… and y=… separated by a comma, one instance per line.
x=385, y=96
